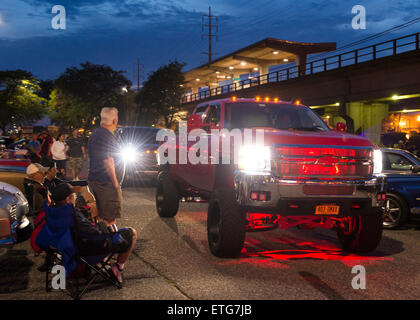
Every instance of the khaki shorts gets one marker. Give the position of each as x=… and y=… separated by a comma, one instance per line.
x=76, y=163
x=108, y=199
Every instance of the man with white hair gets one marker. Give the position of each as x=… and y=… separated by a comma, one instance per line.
x=103, y=174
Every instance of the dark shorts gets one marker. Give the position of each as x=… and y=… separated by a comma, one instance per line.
x=108, y=199
x=60, y=164
x=100, y=245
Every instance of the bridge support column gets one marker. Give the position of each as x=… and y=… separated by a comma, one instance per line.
x=301, y=64
x=263, y=70
x=368, y=118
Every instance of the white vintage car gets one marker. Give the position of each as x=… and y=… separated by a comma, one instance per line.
x=14, y=225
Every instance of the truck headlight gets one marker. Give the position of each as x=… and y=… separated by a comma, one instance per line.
x=254, y=159
x=377, y=161
x=129, y=154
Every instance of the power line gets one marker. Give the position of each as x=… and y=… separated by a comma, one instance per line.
x=372, y=37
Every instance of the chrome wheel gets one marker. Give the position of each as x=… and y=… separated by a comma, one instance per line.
x=391, y=213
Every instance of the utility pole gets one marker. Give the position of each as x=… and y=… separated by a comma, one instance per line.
x=138, y=75
x=211, y=23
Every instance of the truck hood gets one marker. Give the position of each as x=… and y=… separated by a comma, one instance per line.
x=317, y=138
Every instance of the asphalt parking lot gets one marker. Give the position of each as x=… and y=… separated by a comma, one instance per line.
x=171, y=261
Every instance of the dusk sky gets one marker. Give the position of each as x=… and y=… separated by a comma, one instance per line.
x=116, y=33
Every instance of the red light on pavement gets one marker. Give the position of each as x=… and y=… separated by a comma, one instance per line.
x=381, y=197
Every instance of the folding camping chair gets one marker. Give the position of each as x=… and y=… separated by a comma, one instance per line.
x=96, y=265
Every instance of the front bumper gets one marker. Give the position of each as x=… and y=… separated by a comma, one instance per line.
x=295, y=197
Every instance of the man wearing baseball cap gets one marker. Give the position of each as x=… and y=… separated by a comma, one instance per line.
x=35, y=190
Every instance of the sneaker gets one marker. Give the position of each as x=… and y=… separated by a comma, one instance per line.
x=117, y=272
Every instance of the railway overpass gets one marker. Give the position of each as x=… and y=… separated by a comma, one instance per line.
x=361, y=87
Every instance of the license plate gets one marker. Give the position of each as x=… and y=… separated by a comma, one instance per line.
x=327, y=210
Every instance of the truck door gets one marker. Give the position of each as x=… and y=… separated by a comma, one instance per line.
x=187, y=171
x=204, y=173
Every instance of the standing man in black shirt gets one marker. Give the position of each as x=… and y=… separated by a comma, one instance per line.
x=103, y=182
x=76, y=153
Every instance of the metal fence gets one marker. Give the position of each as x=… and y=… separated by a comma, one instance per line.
x=360, y=55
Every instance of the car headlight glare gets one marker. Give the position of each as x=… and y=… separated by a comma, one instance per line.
x=377, y=161
x=129, y=154
x=254, y=159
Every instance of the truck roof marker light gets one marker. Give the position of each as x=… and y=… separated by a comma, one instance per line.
x=276, y=100
x=234, y=98
x=257, y=99
x=267, y=99
x=297, y=102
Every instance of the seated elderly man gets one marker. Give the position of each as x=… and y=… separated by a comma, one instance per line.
x=35, y=191
x=79, y=186
x=92, y=240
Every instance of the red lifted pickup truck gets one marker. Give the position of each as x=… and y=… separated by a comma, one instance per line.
x=304, y=174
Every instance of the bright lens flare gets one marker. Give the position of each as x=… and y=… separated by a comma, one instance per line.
x=254, y=159
x=377, y=161
x=129, y=154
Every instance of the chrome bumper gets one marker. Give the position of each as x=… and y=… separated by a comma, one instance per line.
x=285, y=192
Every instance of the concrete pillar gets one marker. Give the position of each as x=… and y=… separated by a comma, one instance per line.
x=301, y=64
x=264, y=70
x=368, y=118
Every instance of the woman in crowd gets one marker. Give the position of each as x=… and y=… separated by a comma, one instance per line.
x=59, y=154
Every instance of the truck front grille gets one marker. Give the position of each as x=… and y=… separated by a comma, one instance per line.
x=322, y=162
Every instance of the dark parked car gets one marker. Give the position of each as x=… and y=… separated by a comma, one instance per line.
x=403, y=186
x=138, y=149
x=14, y=225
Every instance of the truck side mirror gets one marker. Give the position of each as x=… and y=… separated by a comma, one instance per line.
x=416, y=169
x=194, y=122
x=341, y=126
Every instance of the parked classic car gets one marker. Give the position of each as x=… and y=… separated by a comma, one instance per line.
x=14, y=225
x=403, y=186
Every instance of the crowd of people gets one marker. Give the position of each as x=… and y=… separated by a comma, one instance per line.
x=44, y=148
x=51, y=196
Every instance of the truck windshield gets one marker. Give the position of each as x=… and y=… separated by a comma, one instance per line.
x=278, y=116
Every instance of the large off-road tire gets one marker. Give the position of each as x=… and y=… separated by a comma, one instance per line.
x=395, y=211
x=364, y=233
x=167, y=196
x=226, y=224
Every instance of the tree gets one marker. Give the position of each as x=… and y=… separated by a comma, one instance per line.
x=80, y=93
x=161, y=93
x=20, y=100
